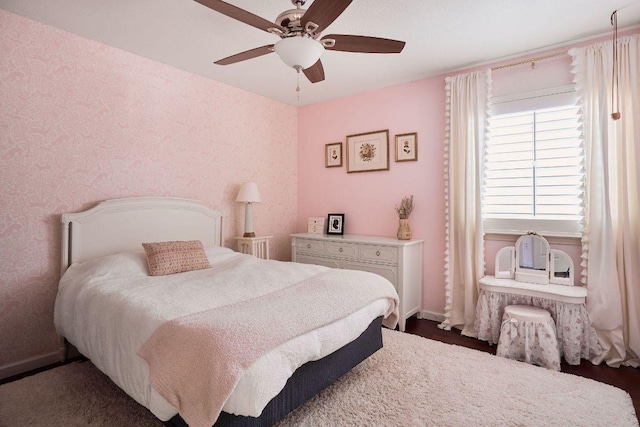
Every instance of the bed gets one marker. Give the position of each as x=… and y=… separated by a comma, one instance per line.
x=129, y=323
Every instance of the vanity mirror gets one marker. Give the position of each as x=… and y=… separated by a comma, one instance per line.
x=531, y=260
x=561, y=268
x=505, y=262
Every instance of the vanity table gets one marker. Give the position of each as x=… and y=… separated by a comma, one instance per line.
x=533, y=274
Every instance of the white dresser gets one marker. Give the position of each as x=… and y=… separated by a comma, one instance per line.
x=399, y=261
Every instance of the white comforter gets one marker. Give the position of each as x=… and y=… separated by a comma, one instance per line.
x=109, y=307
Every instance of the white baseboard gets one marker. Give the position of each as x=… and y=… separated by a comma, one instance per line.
x=429, y=315
x=27, y=365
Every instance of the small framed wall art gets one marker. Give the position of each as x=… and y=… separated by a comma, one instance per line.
x=368, y=151
x=407, y=147
x=335, y=224
x=333, y=155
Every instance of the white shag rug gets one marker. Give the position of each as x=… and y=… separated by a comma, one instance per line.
x=412, y=381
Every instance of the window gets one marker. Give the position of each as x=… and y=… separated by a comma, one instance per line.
x=533, y=177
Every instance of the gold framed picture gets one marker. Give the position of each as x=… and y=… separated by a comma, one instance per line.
x=333, y=155
x=368, y=152
x=407, y=147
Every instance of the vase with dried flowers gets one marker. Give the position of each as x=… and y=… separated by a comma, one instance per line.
x=404, y=210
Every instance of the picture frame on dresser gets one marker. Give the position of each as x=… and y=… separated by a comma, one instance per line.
x=335, y=224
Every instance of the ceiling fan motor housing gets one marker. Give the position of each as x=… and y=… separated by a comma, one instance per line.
x=290, y=19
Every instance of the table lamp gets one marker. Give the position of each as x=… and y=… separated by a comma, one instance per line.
x=248, y=194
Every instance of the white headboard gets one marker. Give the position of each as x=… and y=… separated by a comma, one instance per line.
x=120, y=225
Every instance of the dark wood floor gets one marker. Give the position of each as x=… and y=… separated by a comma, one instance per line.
x=624, y=377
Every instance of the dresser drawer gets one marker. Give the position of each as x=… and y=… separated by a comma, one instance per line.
x=341, y=249
x=386, y=254
x=319, y=221
x=388, y=272
x=315, y=229
x=327, y=262
x=309, y=246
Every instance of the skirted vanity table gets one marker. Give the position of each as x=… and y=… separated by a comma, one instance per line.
x=531, y=273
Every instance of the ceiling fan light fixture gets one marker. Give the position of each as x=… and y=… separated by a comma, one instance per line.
x=299, y=51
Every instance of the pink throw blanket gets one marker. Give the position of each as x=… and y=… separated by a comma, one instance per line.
x=196, y=361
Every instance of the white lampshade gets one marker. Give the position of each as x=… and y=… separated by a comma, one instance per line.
x=300, y=52
x=249, y=193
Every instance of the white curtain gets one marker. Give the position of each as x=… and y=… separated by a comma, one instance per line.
x=611, y=241
x=468, y=97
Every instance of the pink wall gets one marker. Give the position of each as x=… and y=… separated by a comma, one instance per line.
x=82, y=122
x=368, y=198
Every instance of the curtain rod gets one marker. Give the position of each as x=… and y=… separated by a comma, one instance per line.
x=531, y=61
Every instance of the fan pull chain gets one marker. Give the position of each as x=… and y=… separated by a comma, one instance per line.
x=615, y=85
x=298, y=82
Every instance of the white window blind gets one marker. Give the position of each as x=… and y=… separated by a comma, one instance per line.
x=533, y=177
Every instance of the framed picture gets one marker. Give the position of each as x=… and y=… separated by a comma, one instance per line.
x=333, y=155
x=368, y=152
x=406, y=147
x=335, y=224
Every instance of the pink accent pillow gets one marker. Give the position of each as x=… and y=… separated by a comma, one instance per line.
x=175, y=257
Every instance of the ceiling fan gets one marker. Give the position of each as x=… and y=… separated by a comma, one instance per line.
x=300, y=45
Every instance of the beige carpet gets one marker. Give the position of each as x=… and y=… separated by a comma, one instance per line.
x=412, y=381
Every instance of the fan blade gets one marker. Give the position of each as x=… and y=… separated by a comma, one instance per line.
x=243, y=56
x=364, y=44
x=315, y=73
x=323, y=12
x=240, y=14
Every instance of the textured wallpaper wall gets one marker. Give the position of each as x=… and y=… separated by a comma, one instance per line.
x=82, y=122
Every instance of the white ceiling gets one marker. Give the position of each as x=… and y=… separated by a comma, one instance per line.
x=441, y=36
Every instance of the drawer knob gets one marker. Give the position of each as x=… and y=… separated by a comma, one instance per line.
x=377, y=253
x=308, y=245
x=340, y=250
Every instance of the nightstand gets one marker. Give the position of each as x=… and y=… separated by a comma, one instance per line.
x=256, y=246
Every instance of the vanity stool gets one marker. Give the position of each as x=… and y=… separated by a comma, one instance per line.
x=528, y=334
